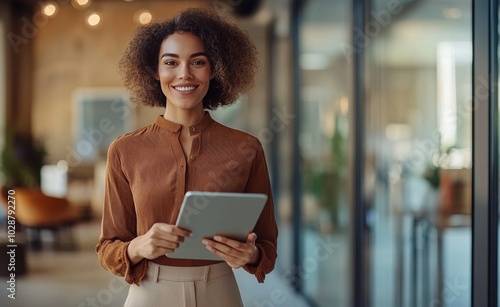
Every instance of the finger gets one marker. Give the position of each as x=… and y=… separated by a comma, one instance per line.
x=234, y=262
x=251, y=238
x=161, y=239
x=169, y=245
x=231, y=243
x=162, y=243
x=181, y=232
x=171, y=238
x=172, y=229
x=157, y=251
x=165, y=250
x=241, y=252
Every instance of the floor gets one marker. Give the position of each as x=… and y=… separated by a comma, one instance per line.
x=76, y=279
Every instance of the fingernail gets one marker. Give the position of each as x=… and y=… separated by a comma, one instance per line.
x=208, y=247
x=204, y=242
x=217, y=238
x=254, y=236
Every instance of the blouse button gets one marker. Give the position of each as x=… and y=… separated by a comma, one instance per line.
x=192, y=157
x=193, y=128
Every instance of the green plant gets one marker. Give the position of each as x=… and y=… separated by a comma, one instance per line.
x=327, y=181
x=21, y=160
x=431, y=174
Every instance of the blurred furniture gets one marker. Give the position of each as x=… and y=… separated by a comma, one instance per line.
x=454, y=211
x=448, y=207
x=83, y=186
x=36, y=211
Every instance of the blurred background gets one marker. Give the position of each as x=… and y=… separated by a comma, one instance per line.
x=370, y=115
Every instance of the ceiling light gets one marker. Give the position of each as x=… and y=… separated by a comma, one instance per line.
x=143, y=17
x=49, y=9
x=80, y=3
x=93, y=19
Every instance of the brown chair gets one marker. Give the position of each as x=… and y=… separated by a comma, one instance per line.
x=36, y=211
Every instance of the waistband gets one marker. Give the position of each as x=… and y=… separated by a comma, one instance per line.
x=188, y=274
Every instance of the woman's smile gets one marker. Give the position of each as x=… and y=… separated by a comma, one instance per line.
x=185, y=89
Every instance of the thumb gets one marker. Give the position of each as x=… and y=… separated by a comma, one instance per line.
x=252, y=237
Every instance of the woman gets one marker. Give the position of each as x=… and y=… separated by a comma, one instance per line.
x=195, y=62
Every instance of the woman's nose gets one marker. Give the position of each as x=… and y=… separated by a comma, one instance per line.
x=185, y=72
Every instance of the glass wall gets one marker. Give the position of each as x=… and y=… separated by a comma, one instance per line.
x=418, y=152
x=325, y=98
x=417, y=96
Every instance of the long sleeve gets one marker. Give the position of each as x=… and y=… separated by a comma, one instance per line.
x=266, y=228
x=118, y=223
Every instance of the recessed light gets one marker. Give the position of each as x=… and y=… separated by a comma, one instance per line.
x=81, y=3
x=143, y=17
x=49, y=9
x=93, y=19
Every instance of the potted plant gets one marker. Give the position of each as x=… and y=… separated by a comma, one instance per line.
x=21, y=160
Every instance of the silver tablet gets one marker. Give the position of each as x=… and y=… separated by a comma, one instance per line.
x=206, y=214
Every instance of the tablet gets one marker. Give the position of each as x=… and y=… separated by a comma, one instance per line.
x=206, y=214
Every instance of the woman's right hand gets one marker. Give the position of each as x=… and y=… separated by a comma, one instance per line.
x=160, y=239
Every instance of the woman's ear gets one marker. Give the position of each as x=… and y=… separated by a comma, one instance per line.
x=212, y=70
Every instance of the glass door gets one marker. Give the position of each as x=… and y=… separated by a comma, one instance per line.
x=325, y=103
x=418, y=152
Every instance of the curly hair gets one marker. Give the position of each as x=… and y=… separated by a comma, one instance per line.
x=232, y=55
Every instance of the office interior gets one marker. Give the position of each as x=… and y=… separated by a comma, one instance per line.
x=368, y=112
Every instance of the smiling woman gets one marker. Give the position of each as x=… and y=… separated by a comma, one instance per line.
x=192, y=63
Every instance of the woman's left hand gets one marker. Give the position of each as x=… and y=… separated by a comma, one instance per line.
x=235, y=253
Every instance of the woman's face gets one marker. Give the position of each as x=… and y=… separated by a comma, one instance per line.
x=184, y=71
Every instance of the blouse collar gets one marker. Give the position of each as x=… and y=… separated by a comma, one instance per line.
x=203, y=124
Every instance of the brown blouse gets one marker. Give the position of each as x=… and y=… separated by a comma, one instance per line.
x=148, y=175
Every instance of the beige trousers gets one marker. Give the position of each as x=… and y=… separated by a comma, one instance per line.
x=206, y=286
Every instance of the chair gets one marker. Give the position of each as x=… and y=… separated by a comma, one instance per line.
x=36, y=211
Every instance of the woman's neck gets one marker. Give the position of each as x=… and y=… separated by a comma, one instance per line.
x=184, y=117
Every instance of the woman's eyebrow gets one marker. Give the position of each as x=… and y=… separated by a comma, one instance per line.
x=173, y=55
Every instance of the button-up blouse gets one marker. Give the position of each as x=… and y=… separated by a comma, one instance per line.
x=148, y=175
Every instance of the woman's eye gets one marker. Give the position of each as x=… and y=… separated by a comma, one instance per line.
x=199, y=63
x=170, y=63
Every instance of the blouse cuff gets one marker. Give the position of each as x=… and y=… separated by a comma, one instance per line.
x=258, y=269
x=133, y=274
